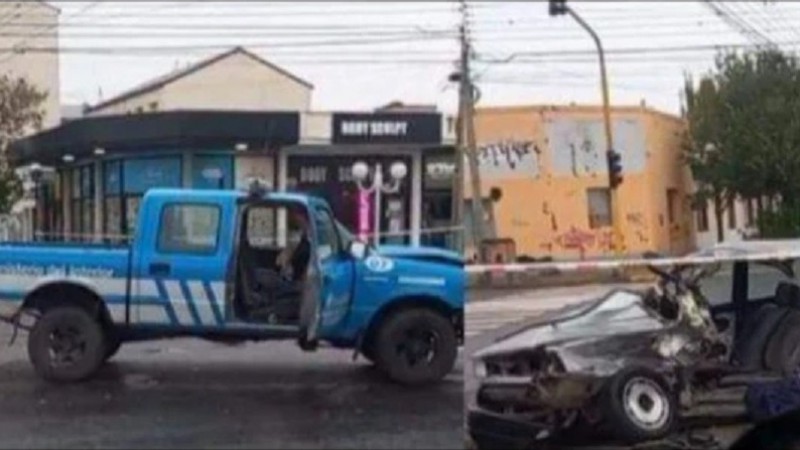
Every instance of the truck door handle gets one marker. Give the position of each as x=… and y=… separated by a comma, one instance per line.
x=158, y=268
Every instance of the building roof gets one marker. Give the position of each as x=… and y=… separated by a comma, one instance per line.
x=157, y=131
x=159, y=82
x=578, y=109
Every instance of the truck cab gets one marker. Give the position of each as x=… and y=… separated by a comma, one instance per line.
x=256, y=265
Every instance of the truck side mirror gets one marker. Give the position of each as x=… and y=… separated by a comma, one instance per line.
x=358, y=249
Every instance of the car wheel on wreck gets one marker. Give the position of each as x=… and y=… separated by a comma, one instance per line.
x=638, y=405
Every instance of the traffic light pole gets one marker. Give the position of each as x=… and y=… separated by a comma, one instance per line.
x=616, y=219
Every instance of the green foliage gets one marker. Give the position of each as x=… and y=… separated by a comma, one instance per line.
x=20, y=111
x=747, y=112
x=781, y=224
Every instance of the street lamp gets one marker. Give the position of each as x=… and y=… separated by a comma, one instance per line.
x=361, y=172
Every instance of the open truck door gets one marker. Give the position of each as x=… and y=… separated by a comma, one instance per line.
x=327, y=294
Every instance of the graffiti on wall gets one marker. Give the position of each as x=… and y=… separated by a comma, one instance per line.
x=578, y=146
x=584, y=240
x=509, y=158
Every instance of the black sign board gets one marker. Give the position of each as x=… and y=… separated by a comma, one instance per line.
x=387, y=128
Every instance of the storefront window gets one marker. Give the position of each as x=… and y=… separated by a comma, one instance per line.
x=127, y=181
x=112, y=218
x=83, y=202
x=329, y=177
x=437, y=201
x=212, y=172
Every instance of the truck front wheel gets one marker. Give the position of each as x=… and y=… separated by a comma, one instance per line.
x=416, y=346
x=112, y=348
x=66, y=345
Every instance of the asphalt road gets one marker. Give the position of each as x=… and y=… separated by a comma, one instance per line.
x=191, y=394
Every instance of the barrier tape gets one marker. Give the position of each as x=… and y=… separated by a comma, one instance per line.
x=437, y=230
x=574, y=266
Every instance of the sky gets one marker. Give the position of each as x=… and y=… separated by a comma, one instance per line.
x=360, y=55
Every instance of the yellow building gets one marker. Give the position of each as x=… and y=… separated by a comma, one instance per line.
x=549, y=166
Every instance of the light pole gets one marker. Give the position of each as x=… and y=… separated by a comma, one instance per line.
x=560, y=7
x=361, y=172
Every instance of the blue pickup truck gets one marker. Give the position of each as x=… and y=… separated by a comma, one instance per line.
x=233, y=266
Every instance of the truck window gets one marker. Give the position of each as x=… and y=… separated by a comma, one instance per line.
x=327, y=236
x=188, y=228
x=261, y=227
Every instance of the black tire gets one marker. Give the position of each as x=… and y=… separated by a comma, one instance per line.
x=638, y=406
x=70, y=327
x=416, y=346
x=782, y=353
x=112, y=348
x=368, y=352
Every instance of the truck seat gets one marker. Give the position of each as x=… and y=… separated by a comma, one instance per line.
x=265, y=295
x=752, y=345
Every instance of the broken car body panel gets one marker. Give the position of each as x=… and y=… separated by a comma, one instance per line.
x=561, y=363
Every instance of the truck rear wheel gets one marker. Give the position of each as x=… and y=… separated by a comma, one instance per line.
x=66, y=345
x=416, y=346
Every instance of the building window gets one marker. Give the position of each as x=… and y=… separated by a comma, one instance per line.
x=599, y=202
x=702, y=217
x=673, y=205
x=731, y=213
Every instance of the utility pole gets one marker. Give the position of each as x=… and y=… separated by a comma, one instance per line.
x=466, y=140
x=613, y=158
x=458, y=173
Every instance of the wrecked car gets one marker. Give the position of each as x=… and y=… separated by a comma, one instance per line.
x=626, y=366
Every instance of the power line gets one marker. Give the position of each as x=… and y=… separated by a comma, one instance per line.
x=83, y=10
x=737, y=23
x=631, y=50
x=785, y=25
x=161, y=49
x=227, y=26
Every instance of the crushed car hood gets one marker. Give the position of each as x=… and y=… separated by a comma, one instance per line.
x=620, y=313
x=431, y=254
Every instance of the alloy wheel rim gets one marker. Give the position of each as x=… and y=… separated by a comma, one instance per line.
x=646, y=403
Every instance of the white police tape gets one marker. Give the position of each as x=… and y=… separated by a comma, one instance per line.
x=571, y=266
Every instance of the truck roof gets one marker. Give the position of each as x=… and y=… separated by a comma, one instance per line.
x=220, y=194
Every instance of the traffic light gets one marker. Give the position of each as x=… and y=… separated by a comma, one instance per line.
x=614, y=169
x=558, y=7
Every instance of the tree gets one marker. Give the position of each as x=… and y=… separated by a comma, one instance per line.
x=704, y=151
x=20, y=111
x=747, y=112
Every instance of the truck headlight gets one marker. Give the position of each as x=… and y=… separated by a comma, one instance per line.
x=480, y=369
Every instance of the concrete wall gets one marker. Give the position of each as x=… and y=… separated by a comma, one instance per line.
x=237, y=82
x=742, y=228
x=544, y=159
x=40, y=69
x=316, y=128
